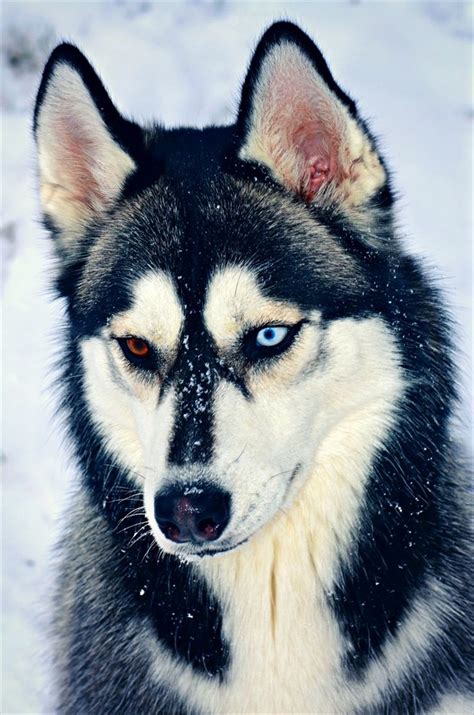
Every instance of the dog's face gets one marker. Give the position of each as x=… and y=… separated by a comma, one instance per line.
x=222, y=297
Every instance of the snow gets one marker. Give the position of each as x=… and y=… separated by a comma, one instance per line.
x=407, y=63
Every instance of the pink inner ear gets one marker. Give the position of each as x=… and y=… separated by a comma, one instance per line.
x=318, y=150
x=319, y=174
x=299, y=123
x=77, y=155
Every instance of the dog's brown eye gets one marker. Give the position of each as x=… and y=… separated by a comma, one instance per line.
x=138, y=352
x=138, y=347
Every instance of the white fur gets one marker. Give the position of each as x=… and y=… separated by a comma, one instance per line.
x=156, y=313
x=452, y=705
x=421, y=625
x=286, y=644
x=234, y=302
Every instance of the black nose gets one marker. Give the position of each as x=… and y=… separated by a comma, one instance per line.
x=194, y=514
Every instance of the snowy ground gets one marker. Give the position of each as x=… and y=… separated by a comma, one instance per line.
x=407, y=63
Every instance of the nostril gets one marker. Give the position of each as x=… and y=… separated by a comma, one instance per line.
x=165, y=517
x=208, y=528
x=170, y=530
x=213, y=515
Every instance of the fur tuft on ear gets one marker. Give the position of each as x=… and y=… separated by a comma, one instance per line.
x=83, y=158
x=295, y=120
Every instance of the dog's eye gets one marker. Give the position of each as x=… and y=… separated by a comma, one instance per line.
x=137, y=351
x=271, y=336
x=269, y=341
x=138, y=347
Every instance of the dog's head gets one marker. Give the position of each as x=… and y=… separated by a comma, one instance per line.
x=225, y=287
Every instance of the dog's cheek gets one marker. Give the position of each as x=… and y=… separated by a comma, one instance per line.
x=257, y=446
x=111, y=407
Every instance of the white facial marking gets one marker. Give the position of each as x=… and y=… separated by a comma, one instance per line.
x=123, y=406
x=111, y=408
x=235, y=301
x=156, y=313
x=266, y=446
x=295, y=457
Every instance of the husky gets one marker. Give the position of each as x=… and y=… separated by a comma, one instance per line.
x=259, y=389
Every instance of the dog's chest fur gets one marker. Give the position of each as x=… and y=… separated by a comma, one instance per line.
x=286, y=643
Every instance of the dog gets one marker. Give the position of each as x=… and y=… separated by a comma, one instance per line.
x=259, y=385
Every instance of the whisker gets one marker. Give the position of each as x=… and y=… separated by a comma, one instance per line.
x=286, y=471
x=128, y=470
x=152, y=544
x=139, y=535
x=130, y=497
x=132, y=513
x=237, y=458
x=140, y=525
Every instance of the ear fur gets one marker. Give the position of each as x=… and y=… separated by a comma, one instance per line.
x=86, y=149
x=295, y=120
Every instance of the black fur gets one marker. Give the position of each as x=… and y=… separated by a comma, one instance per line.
x=405, y=534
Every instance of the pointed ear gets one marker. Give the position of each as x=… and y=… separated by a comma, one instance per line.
x=294, y=119
x=86, y=149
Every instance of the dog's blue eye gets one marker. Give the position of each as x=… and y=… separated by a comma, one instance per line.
x=270, y=341
x=271, y=336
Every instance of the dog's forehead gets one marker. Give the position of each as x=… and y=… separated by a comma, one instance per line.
x=209, y=242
